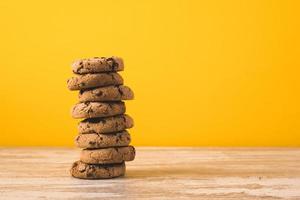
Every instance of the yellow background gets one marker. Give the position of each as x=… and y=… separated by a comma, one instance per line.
x=205, y=73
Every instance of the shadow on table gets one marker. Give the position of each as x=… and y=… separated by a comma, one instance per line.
x=169, y=172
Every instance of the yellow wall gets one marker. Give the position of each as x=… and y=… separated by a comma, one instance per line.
x=207, y=73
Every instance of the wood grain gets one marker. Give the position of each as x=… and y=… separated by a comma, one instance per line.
x=157, y=173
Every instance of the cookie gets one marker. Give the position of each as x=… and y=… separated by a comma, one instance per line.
x=109, y=93
x=96, y=65
x=97, y=109
x=106, y=125
x=94, y=140
x=87, y=171
x=107, y=155
x=94, y=80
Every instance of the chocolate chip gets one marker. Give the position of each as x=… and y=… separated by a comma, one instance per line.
x=99, y=93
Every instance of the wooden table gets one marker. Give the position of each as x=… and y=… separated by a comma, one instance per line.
x=157, y=173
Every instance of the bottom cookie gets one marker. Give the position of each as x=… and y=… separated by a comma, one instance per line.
x=96, y=171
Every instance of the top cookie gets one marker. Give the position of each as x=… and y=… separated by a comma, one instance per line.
x=98, y=64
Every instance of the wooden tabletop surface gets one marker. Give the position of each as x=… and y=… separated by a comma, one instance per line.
x=156, y=173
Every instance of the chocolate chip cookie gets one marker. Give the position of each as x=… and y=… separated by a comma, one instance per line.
x=98, y=109
x=107, y=155
x=88, y=171
x=96, y=140
x=98, y=64
x=109, y=93
x=106, y=125
x=94, y=80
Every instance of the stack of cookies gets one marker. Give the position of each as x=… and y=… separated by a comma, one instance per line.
x=102, y=133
